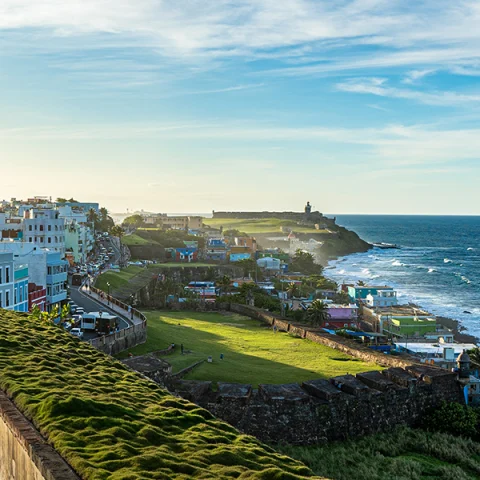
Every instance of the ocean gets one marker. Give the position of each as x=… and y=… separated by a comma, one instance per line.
x=437, y=266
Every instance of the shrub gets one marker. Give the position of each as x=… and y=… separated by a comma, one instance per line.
x=452, y=418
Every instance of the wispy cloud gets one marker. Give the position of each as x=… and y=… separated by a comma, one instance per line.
x=379, y=87
x=415, y=75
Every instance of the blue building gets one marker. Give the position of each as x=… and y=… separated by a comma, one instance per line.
x=360, y=293
x=20, y=288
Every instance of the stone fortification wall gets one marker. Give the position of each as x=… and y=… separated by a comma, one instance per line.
x=325, y=410
x=24, y=454
x=298, y=216
x=344, y=345
x=122, y=340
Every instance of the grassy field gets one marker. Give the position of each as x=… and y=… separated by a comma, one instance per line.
x=110, y=423
x=404, y=454
x=252, y=352
x=117, y=279
x=134, y=239
x=258, y=225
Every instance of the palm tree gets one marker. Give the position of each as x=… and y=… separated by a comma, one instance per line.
x=292, y=290
x=117, y=231
x=104, y=213
x=92, y=217
x=317, y=313
x=361, y=283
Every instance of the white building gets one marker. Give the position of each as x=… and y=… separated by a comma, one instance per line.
x=79, y=238
x=383, y=298
x=45, y=227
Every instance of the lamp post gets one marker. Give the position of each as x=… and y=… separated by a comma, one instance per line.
x=108, y=293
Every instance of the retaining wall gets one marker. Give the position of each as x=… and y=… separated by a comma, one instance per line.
x=326, y=410
x=123, y=339
x=24, y=454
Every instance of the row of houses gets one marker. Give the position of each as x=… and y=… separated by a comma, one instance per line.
x=39, y=240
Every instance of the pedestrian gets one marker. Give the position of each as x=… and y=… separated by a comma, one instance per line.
x=274, y=329
x=181, y=348
x=221, y=356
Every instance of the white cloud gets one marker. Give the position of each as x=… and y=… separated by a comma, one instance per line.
x=378, y=87
x=417, y=33
x=415, y=75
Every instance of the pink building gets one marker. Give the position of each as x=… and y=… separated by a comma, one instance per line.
x=342, y=316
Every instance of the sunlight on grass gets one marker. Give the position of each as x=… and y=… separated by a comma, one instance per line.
x=253, y=353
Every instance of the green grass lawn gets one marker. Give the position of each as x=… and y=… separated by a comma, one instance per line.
x=258, y=225
x=253, y=353
x=110, y=423
x=117, y=279
x=133, y=239
x=404, y=454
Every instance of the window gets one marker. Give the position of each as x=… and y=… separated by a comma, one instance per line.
x=49, y=239
x=1, y=275
x=49, y=228
x=15, y=301
x=29, y=228
x=36, y=227
x=1, y=295
x=30, y=239
x=41, y=228
x=7, y=298
x=7, y=274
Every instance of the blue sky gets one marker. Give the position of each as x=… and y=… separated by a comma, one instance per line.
x=365, y=106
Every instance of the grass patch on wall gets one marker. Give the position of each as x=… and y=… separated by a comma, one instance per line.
x=110, y=423
x=253, y=353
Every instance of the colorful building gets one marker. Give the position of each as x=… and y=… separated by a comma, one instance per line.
x=20, y=288
x=360, y=293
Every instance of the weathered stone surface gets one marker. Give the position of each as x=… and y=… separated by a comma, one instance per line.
x=234, y=390
x=290, y=392
x=24, y=454
x=193, y=390
x=323, y=389
x=378, y=381
x=353, y=386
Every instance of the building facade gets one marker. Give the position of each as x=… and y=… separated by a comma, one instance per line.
x=44, y=227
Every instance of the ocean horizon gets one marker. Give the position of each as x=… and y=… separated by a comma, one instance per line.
x=437, y=265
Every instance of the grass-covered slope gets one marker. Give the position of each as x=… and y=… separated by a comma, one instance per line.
x=110, y=423
x=403, y=454
x=253, y=353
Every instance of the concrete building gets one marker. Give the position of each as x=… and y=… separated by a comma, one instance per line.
x=46, y=269
x=6, y=281
x=45, y=228
x=20, y=287
x=383, y=298
x=360, y=292
x=182, y=222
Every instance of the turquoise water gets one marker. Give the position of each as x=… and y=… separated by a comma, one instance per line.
x=437, y=267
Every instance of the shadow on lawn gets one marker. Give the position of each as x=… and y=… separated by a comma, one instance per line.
x=238, y=366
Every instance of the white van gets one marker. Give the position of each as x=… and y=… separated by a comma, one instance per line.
x=88, y=320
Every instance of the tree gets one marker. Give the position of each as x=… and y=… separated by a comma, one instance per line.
x=249, y=266
x=134, y=221
x=317, y=313
x=104, y=213
x=117, y=231
x=61, y=200
x=292, y=290
x=225, y=284
x=361, y=283
x=304, y=262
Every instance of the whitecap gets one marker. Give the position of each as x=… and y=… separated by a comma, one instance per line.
x=396, y=263
x=470, y=249
x=447, y=260
x=431, y=270
x=465, y=279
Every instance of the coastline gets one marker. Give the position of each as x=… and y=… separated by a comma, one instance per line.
x=460, y=332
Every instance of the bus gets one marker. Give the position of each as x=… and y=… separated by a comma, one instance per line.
x=101, y=322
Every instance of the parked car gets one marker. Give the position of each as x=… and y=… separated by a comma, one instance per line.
x=77, y=332
x=73, y=307
x=79, y=311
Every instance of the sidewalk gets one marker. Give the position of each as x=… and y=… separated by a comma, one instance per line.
x=131, y=316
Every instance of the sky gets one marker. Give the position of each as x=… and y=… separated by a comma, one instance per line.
x=363, y=106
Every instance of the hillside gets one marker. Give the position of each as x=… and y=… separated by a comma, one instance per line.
x=268, y=227
x=111, y=423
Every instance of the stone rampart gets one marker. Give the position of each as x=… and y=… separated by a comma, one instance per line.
x=325, y=410
x=122, y=340
x=24, y=454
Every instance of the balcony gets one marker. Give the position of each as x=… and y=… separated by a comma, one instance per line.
x=57, y=278
x=59, y=297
